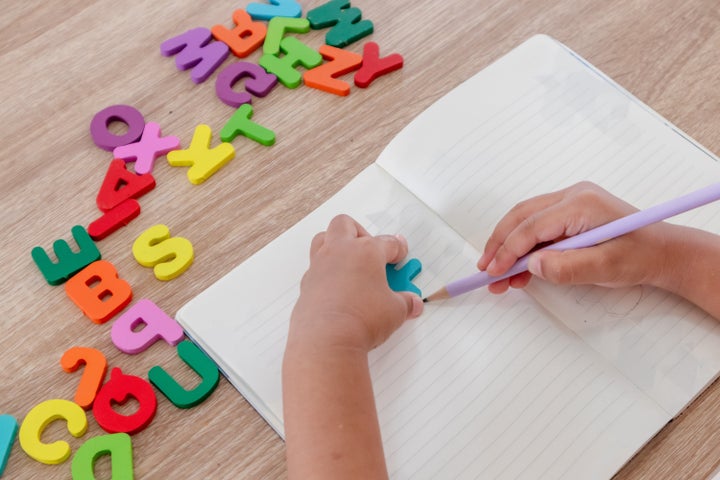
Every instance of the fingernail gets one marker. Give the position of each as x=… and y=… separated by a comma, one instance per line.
x=482, y=260
x=402, y=239
x=417, y=307
x=534, y=266
x=491, y=267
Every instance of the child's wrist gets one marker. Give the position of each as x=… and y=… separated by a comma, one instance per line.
x=312, y=356
x=330, y=333
x=670, y=271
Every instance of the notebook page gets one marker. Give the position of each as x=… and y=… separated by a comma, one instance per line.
x=663, y=344
x=536, y=120
x=540, y=119
x=496, y=389
x=482, y=386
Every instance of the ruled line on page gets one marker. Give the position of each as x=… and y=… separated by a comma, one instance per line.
x=531, y=96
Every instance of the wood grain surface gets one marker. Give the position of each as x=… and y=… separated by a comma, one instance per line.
x=62, y=62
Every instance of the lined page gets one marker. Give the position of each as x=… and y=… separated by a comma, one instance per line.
x=535, y=121
x=495, y=389
x=541, y=119
x=666, y=346
x=479, y=387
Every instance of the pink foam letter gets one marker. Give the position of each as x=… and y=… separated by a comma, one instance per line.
x=157, y=325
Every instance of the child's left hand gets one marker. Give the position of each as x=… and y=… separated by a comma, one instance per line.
x=345, y=299
x=345, y=309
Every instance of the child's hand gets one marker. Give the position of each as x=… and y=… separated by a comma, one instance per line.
x=345, y=309
x=632, y=259
x=345, y=299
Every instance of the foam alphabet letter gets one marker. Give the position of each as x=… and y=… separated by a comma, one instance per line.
x=259, y=83
x=116, y=199
x=156, y=325
x=325, y=76
x=279, y=8
x=116, y=113
x=98, y=291
x=168, y=256
x=399, y=280
x=40, y=417
x=243, y=39
x=373, y=66
x=277, y=28
x=69, y=262
x=118, y=389
x=296, y=53
x=201, y=364
x=8, y=432
x=117, y=445
x=195, y=49
x=120, y=184
x=93, y=376
x=348, y=27
x=240, y=124
x=202, y=160
x=114, y=219
x=150, y=146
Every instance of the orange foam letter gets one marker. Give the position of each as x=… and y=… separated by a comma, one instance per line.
x=98, y=291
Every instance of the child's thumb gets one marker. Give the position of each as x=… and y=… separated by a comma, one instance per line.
x=413, y=302
x=568, y=267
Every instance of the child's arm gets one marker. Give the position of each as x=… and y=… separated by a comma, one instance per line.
x=345, y=309
x=683, y=260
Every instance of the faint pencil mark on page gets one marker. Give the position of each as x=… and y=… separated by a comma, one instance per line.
x=618, y=303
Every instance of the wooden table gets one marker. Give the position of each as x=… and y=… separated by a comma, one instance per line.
x=62, y=62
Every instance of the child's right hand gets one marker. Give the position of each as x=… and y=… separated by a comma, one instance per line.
x=636, y=258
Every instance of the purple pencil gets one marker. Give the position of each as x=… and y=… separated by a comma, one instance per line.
x=589, y=238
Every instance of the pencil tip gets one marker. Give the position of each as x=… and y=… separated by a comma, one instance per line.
x=425, y=300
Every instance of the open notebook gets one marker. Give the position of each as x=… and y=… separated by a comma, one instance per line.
x=549, y=382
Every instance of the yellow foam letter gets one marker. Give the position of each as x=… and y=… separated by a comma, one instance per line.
x=202, y=160
x=168, y=256
x=40, y=417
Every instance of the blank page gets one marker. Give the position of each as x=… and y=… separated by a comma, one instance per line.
x=541, y=119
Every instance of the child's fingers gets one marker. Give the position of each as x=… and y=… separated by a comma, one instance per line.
x=344, y=226
x=520, y=280
x=518, y=214
x=501, y=286
x=394, y=246
x=317, y=242
x=585, y=209
x=413, y=303
x=398, y=308
x=545, y=226
x=565, y=218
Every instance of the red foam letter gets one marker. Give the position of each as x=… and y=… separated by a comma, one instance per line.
x=373, y=66
x=113, y=219
x=121, y=184
x=117, y=390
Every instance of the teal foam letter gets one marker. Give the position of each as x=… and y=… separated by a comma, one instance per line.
x=201, y=364
x=69, y=262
